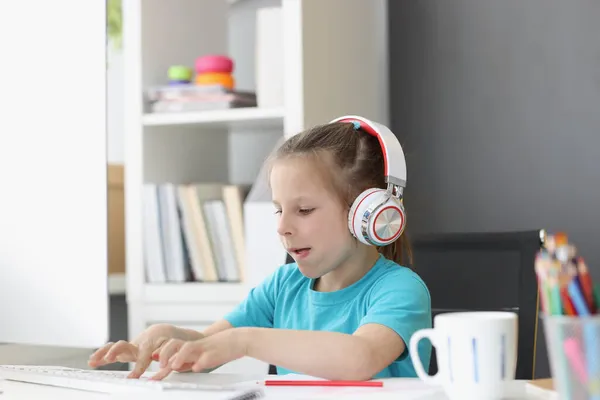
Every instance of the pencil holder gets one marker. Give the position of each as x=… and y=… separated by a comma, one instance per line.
x=574, y=353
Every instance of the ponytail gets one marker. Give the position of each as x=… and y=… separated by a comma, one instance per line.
x=399, y=251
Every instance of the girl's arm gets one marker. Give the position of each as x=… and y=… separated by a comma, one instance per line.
x=216, y=327
x=328, y=355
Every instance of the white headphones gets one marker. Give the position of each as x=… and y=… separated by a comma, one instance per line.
x=377, y=215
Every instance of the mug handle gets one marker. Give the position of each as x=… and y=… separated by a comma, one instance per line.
x=416, y=360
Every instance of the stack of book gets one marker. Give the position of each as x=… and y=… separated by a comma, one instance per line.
x=191, y=98
x=194, y=232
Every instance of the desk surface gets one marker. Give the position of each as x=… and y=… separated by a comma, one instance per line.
x=544, y=383
x=410, y=389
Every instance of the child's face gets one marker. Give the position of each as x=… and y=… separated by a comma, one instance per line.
x=312, y=224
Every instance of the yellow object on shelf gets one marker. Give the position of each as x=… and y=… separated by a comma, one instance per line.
x=215, y=78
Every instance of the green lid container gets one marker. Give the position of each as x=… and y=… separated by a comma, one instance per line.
x=180, y=73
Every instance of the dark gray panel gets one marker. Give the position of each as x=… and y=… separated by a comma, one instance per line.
x=497, y=104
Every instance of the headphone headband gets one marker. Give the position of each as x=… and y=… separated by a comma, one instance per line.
x=393, y=155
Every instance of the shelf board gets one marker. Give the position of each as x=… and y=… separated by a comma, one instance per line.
x=194, y=292
x=227, y=117
x=116, y=284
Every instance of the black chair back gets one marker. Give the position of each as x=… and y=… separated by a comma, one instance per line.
x=484, y=272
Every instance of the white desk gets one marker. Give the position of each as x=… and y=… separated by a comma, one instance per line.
x=396, y=388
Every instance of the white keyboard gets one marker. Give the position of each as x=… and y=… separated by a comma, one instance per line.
x=107, y=381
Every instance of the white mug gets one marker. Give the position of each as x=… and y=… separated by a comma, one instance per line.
x=476, y=353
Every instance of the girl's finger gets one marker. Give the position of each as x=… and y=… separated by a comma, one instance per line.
x=185, y=367
x=205, y=361
x=97, y=358
x=161, y=341
x=127, y=356
x=161, y=374
x=159, y=346
x=199, y=364
x=167, y=350
x=143, y=361
x=122, y=347
x=188, y=353
x=164, y=372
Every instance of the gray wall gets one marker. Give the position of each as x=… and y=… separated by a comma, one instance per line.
x=497, y=103
x=498, y=106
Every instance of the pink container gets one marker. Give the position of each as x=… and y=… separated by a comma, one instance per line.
x=214, y=63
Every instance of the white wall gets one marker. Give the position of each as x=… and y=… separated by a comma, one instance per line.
x=115, y=106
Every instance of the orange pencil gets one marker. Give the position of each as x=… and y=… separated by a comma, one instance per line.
x=561, y=239
x=566, y=301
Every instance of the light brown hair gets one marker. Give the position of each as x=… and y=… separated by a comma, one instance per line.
x=351, y=161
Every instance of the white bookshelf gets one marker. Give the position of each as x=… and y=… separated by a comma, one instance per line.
x=116, y=284
x=188, y=292
x=272, y=117
x=335, y=63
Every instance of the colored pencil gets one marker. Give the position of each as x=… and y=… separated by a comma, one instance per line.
x=568, y=307
x=574, y=354
x=586, y=283
x=543, y=289
x=560, y=270
x=564, y=281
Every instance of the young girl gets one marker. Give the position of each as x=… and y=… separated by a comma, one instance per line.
x=346, y=308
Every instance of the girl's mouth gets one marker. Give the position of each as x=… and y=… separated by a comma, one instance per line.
x=300, y=252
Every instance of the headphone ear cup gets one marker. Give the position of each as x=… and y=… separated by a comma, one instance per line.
x=398, y=221
x=357, y=211
x=375, y=221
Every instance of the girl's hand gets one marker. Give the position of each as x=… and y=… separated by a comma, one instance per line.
x=139, y=350
x=207, y=353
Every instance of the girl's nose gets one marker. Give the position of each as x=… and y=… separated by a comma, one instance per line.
x=284, y=227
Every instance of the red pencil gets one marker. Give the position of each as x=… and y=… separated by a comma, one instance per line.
x=586, y=284
x=323, y=383
x=569, y=309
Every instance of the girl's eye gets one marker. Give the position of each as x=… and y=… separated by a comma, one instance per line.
x=277, y=212
x=306, y=211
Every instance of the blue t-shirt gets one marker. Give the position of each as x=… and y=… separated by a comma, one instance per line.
x=388, y=294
